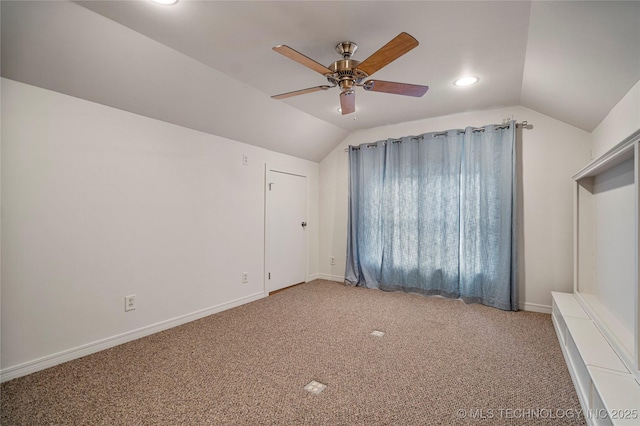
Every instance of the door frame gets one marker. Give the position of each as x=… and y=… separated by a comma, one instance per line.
x=289, y=171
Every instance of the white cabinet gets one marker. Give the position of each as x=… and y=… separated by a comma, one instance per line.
x=608, y=391
x=606, y=246
x=598, y=324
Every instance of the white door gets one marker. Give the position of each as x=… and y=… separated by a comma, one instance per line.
x=286, y=256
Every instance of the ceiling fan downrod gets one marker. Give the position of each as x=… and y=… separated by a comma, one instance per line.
x=346, y=49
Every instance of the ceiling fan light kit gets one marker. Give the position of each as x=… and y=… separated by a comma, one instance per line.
x=348, y=73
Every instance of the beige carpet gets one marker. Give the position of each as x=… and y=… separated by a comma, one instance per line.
x=439, y=361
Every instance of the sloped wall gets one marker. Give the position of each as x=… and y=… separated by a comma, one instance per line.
x=622, y=120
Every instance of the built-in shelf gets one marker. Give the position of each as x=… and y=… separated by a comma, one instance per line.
x=606, y=246
x=598, y=325
x=608, y=391
x=618, y=330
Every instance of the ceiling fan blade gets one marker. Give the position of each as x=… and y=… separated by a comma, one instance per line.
x=301, y=92
x=302, y=59
x=388, y=53
x=347, y=102
x=395, y=88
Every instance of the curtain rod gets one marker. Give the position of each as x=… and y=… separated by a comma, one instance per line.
x=523, y=124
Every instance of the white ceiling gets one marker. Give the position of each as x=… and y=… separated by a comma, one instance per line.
x=208, y=65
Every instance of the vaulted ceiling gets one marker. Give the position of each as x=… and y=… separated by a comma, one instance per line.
x=208, y=65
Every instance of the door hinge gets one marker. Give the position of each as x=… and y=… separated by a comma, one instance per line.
x=269, y=275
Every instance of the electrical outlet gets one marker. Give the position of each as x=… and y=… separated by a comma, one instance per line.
x=333, y=260
x=130, y=303
x=245, y=277
x=245, y=160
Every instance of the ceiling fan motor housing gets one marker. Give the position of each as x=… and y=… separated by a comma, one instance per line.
x=345, y=73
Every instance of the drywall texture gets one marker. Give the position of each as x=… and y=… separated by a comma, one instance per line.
x=622, y=121
x=99, y=203
x=549, y=154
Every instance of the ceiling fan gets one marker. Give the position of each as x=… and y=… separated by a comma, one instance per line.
x=348, y=73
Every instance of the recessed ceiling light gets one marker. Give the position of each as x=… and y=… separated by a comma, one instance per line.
x=466, y=81
x=165, y=2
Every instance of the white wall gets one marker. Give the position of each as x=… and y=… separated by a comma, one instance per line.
x=551, y=152
x=622, y=121
x=99, y=203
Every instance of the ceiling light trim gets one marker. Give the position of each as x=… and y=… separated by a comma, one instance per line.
x=165, y=2
x=466, y=81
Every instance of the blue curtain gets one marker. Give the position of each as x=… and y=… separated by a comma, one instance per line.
x=436, y=214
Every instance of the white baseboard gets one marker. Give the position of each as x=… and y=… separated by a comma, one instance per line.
x=99, y=345
x=534, y=307
x=328, y=277
x=313, y=277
